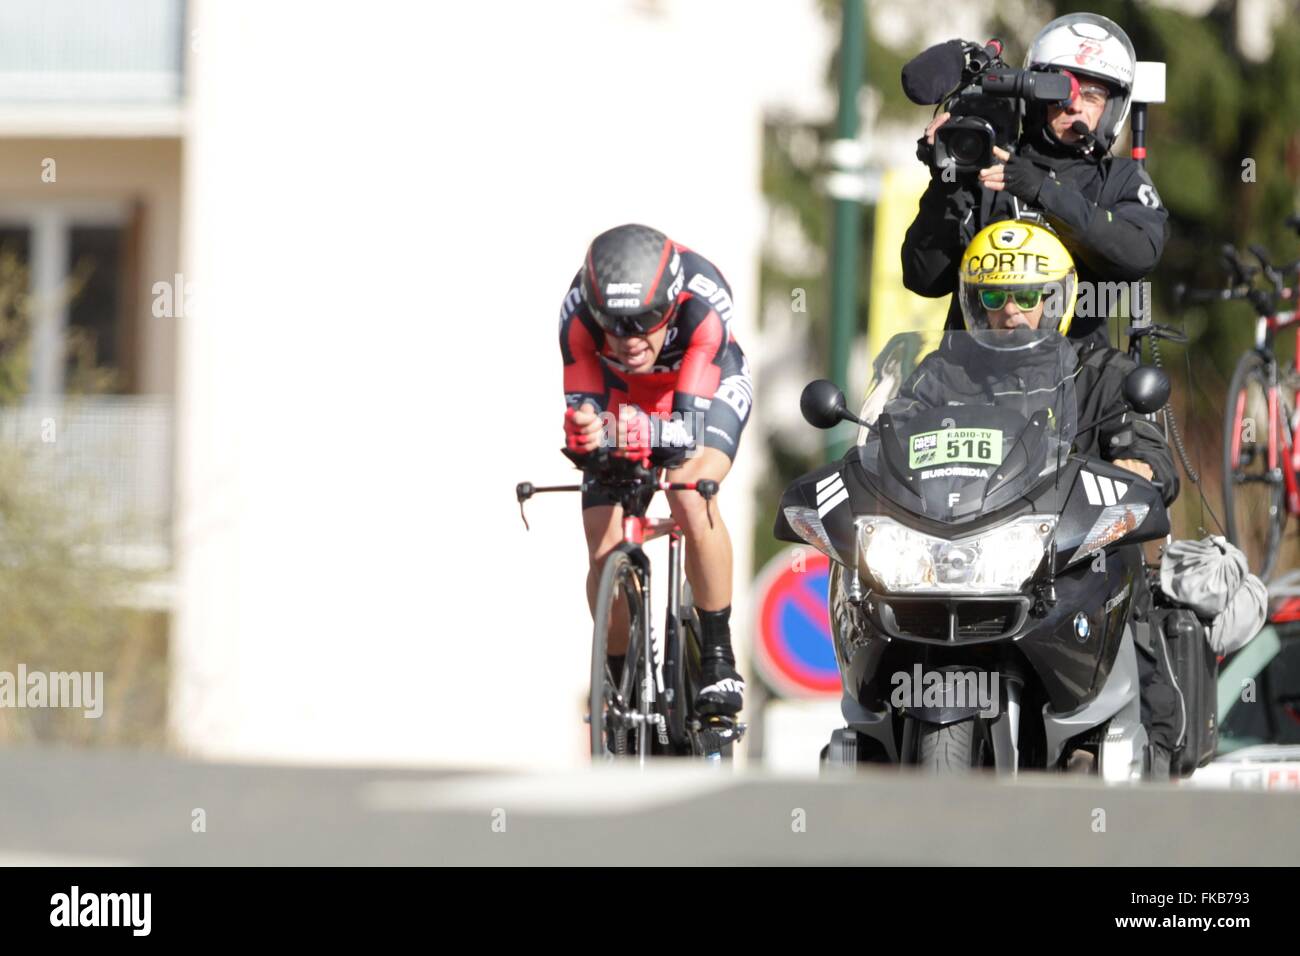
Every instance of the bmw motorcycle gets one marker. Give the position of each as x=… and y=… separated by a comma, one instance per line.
x=982, y=572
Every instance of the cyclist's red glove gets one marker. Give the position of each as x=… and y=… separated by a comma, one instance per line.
x=634, y=441
x=576, y=438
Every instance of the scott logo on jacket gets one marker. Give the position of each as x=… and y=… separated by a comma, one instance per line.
x=102, y=909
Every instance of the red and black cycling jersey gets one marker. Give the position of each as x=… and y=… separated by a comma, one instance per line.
x=700, y=360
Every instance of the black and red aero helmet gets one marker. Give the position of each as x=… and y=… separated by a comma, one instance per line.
x=630, y=279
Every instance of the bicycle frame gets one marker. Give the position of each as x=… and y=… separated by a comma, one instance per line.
x=633, y=489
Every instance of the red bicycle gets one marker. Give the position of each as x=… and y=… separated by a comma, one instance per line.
x=649, y=709
x=1260, y=458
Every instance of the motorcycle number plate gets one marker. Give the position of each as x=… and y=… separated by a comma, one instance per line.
x=979, y=445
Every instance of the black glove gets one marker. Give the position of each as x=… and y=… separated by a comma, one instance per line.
x=1023, y=178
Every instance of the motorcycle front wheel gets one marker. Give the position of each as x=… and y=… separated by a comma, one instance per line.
x=949, y=748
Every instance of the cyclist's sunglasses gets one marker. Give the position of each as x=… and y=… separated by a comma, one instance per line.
x=994, y=299
x=626, y=326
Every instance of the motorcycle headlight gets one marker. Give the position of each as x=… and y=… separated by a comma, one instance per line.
x=999, y=560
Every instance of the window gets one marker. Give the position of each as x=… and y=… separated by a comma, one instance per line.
x=63, y=283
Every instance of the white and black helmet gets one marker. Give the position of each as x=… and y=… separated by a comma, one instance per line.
x=1090, y=45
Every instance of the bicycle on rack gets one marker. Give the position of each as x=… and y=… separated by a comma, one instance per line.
x=648, y=710
x=1260, y=458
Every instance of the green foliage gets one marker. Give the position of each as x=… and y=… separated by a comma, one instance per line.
x=65, y=605
x=67, y=600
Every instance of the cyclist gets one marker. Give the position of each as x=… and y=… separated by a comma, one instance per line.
x=653, y=373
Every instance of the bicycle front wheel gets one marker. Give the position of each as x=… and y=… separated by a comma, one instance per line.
x=1253, y=493
x=614, y=702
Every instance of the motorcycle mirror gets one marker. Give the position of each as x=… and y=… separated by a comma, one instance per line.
x=822, y=405
x=1146, y=389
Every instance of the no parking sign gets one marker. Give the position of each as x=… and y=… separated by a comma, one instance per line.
x=792, y=648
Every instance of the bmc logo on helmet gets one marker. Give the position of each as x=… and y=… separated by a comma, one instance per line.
x=623, y=288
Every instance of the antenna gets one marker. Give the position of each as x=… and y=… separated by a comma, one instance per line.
x=1148, y=87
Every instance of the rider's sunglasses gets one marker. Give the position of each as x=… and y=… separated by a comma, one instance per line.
x=626, y=326
x=994, y=299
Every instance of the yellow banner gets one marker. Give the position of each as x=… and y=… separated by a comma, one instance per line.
x=893, y=308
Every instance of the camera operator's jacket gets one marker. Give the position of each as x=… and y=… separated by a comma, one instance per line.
x=1107, y=213
x=946, y=374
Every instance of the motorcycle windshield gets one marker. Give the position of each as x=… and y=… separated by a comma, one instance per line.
x=965, y=428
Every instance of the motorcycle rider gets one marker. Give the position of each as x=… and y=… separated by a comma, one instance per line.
x=1019, y=276
x=645, y=335
x=1104, y=208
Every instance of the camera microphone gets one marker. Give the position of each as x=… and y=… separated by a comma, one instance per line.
x=931, y=75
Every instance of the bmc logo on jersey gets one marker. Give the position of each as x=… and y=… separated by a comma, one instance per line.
x=623, y=288
x=717, y=296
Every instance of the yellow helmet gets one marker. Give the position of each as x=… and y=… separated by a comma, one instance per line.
x=1021, y=262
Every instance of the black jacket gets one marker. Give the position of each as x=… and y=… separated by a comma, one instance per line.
x=1099, y=385
x=1107, y=213
x=1090, y=375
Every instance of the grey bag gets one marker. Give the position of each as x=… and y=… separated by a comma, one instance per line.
x=1212, y=578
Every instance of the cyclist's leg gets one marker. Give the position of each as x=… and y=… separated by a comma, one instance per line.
x=717, y=436
x=602, y=523
x=708, y=568
x=708, y=546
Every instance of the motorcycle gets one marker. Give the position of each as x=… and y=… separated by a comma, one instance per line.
x=983, y=573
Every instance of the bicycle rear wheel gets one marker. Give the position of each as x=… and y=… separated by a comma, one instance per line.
x=613, y=704
x=1253, y=494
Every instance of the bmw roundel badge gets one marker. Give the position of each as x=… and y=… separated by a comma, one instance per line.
x=1081, y=628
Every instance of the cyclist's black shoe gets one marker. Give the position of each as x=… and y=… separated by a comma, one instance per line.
x=723, y=692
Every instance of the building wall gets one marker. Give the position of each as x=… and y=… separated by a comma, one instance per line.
x=383, y=211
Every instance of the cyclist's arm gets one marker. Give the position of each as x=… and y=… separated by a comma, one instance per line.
x=697, y=381
x=584, y=374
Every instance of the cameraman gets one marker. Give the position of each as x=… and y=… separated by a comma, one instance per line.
x=1104, y=208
